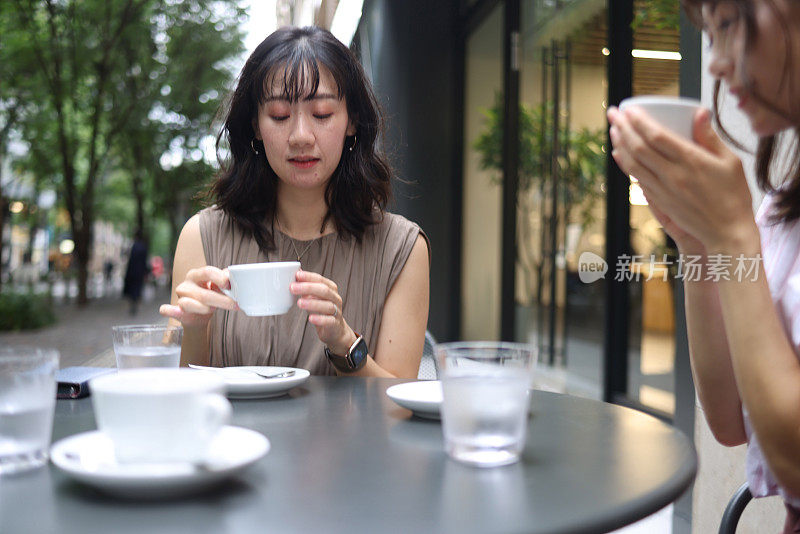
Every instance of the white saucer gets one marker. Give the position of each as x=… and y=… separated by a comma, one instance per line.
x=89, y=458
x=242, y=384
x=423, y=397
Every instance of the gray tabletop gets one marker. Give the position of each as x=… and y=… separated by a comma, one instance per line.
x=345, y=458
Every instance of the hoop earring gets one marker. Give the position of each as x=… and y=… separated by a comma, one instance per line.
x=253, y=145
x=355, y=139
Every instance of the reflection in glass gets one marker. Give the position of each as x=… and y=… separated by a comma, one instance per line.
x=562, y=191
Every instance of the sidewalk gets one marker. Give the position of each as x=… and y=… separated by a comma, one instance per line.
x=83, y=335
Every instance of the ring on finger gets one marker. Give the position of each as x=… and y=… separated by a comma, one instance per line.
x=335, y=310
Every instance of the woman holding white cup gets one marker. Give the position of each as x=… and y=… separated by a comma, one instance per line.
x=744, y=332
x=305, y=181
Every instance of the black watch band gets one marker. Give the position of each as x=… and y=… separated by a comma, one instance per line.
x=355, y=358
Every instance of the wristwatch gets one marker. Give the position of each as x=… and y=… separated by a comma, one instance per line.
x=355, y=358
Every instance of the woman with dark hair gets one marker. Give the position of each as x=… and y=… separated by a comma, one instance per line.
x=305, y=181
x=744, y=331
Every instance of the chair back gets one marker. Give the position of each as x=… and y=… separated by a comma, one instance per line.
x=737, y=504
x=428, y=366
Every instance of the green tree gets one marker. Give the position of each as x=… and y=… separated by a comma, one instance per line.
x=186, y=91
x=74, y=50
x=17, y=93
x=580, y=162
x=97, y=69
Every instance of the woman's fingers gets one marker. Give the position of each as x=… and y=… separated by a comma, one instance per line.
x=209, y=273
x=649, y=145
x=168, y=310
x=322, y=307
x=322, y=320
x=317, y=290
x=190, y=305
x=705, y=135
x=201, y=285
x=633, y=167
x=320, y=297
x=308, y=276
x=209, y=297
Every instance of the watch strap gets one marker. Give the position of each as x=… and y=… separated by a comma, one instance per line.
x=355, y=358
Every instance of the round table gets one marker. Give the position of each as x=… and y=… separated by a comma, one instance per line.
x=346, y=459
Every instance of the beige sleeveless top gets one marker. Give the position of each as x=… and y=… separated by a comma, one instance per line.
x=363, y=272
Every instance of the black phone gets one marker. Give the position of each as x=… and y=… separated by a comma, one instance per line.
x=73, y=382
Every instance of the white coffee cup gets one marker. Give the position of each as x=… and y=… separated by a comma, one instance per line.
x=263, y=288
x=158, y=414
x=674, y=113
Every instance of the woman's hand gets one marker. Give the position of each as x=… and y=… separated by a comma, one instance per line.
x=198, y=296
x=687, y=243
x=699, y=189
x=320, y=297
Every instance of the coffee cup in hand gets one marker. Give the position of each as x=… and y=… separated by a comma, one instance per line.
x=263, y=288
x=160, y=415
x=674, y=113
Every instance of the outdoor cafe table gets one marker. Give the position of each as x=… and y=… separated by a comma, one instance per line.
x=345, y=458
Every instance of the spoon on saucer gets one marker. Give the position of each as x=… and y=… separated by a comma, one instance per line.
x=282, y=374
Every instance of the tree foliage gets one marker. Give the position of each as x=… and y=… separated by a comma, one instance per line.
x=580, y=158
x=661, y=14
x=101, y=90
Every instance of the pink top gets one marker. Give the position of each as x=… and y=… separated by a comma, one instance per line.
x=780, y=248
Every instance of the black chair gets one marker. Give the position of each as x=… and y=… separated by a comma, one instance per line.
x=737, y=504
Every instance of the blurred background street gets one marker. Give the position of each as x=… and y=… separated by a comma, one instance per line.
x=83, y=334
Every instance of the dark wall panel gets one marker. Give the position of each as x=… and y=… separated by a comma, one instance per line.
x=412, y=57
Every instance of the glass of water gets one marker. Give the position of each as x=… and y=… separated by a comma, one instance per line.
x=27, y=402
x=485, y=407
x=147, y=345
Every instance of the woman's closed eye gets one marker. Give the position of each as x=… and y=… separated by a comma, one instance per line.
x=721, y=31
x=318, y=116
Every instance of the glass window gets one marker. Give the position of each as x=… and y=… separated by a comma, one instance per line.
x=482, y=228
x=561, y=203
x=651, y=355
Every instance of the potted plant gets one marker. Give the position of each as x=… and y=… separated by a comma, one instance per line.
x=581, y=161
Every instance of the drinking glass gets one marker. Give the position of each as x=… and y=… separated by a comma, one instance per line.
x=149, y=345
x=27, y=402
x=485, y=406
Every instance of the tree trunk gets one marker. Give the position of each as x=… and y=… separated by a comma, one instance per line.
x=138, y=186
x=3, y=216
x=83, y=248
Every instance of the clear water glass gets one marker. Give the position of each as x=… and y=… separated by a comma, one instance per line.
x=27, y=402
x=485, y=407
x=149, y=345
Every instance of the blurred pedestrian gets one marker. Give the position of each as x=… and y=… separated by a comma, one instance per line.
x=136, y=272
x=108, y=271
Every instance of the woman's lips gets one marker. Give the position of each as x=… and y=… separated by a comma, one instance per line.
x=741, y=96
x=303, y=163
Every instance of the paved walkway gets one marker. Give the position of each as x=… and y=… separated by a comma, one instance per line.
x=83, y=334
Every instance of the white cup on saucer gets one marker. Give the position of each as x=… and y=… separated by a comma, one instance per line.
x=160, y=415
x=263, y=288
x=674, y=113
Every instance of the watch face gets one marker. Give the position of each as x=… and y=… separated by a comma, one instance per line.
x=359, y=354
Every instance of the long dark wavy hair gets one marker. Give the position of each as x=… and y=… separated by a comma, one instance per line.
x=246, y=187
x=787, y=201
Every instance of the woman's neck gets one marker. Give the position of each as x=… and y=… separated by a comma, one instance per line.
x=300, y=213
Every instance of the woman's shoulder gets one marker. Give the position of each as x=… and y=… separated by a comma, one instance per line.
x=392, y=228
x=211, y=215
x=394, y=224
